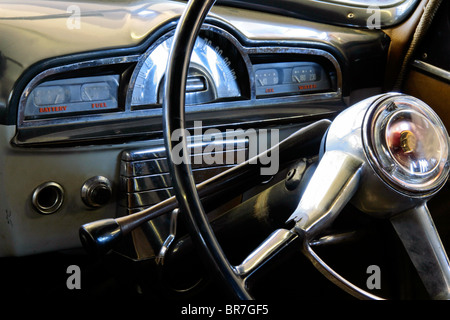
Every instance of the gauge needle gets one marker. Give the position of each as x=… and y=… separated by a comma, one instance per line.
x=58, y=98
x=296, y=79
x=261, y=82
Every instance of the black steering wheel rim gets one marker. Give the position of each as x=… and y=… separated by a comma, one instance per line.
x=188, y=199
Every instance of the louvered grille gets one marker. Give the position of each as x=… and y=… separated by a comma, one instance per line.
x=145, y=178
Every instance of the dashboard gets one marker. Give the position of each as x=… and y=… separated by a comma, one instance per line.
x=223, y=74
x=82, y=113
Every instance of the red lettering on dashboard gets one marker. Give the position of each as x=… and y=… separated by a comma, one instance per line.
x=99, y=105
x=52, y=109
x=308, y=86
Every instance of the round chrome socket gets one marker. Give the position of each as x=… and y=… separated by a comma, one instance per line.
x=47, y=198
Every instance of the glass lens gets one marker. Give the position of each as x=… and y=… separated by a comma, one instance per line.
x=409, y=144
x=413, y=142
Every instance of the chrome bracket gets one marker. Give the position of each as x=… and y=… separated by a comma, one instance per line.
x=169, y=239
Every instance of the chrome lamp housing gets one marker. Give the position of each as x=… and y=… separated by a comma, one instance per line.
x=406, y=144
x=402, y=147
x=387, y=155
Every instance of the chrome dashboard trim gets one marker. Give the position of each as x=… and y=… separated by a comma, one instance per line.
x=433, y=70
x=67, y=68
x=121, y=122
x=306, y=52
x=206, y=27
x=145, y=178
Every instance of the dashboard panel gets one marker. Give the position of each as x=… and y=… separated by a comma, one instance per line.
x=72, y=96
x=290, y=78
x=224, y=74
x=73, y=110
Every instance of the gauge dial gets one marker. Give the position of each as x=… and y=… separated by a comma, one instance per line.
x=304, y=74
x=267, y=77
x=289, y=78
x=211, y=74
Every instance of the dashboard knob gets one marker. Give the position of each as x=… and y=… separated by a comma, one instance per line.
x=96, y=192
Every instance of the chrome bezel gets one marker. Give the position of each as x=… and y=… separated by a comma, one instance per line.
x=55, y=204
x=408, y=188
x=71, y=128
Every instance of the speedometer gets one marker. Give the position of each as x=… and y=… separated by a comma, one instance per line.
x=212, y=75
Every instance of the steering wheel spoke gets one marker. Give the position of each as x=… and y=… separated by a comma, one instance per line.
x=417, y=231
x=269, y=248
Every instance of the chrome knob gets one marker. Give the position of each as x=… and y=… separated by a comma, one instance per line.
x=96, y=192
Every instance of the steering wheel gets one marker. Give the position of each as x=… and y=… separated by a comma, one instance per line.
x=387, y=155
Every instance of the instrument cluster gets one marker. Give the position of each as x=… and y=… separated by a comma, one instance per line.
x=122, y=96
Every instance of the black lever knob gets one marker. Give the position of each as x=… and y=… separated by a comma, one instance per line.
x=99, y=237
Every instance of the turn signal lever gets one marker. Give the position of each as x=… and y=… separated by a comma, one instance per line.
x=99, y=237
